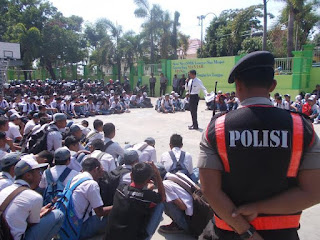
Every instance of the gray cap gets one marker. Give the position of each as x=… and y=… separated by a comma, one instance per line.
x=10, y=159
x=59, y=117
x=150, y=140
x=14, y=116
x=61, y=154
x=27, y=165
x=130, y=156
x=74, y=128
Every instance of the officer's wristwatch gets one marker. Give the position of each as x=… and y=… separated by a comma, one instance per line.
x=248, y=234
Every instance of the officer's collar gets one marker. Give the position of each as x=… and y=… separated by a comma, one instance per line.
x=255, y=101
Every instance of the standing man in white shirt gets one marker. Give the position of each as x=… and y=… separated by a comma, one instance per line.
x=194, y=85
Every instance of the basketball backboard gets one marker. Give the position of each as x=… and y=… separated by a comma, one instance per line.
x=9, y=50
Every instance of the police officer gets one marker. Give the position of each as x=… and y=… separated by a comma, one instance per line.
x=194, y=85
x=258, y=164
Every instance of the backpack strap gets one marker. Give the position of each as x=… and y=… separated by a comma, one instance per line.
x=143, y=147
x=77, y=183
x=107, y=145
x=182, y=157
x=100, y=155
x=49, y=176
x=9, y=199
x=64, y=174
x=176, y=179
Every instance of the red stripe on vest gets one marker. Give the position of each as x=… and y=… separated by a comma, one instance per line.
x=297, y=145
x=221, y=142
x=266, y=222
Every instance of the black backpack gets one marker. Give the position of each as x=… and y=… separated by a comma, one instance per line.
x=202, y=212
x=37, y=142
x=5, y=233
x=109, y=184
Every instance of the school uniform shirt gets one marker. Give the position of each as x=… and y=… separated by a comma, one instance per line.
x=74, y=163
x=56, y=171
x=166, y=103
x=54, y=138
x=197, y=85
x=23, y=210
x=86, y=194
x=106, y=160
x=167, y=162
x=114, y=149
x=4, y=104
x=94, y=134
x=126, y=178
x=148, y=154
x=29, y=126
x=175, y=191
x=29, y=107
x=13, y=132
x=5, y=180
x=115, y=105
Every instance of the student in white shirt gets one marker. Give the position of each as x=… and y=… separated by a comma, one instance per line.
x=31, y=123
x=7, y=164
x=86, y=197
x=62, y=160
x=25, y=214
x=166, y=160
x=96, y=133
x=15, y=128
x=97, y=151
x=114, y=148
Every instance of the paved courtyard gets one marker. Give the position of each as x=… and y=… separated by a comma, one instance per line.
x=134, y=127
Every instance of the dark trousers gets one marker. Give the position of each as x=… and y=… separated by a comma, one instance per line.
x=152, y=85
x=283, y=234
x=194, y=100
x=163, y=87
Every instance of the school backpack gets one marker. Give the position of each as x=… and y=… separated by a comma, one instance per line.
x=37, y=142
x=71, y=227
x=5, y=233
x=109, y=184
x=202, y=212
x=53, y=188
x=178, y=166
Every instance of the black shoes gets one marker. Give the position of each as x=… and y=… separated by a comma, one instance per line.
x=193, y=128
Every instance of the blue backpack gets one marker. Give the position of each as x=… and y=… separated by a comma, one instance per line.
x=71, y=227
x=54, y=188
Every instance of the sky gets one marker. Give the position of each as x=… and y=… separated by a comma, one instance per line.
x=122, y=11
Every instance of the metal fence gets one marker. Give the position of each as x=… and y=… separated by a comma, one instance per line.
x=283, y=66
x=316, y=55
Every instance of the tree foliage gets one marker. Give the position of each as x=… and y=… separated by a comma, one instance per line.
x=226, y=33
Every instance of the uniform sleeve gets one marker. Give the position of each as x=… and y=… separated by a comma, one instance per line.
x=34, y=216
x=43, y=182
x=311, y=158
x=203, y=87
x=93, y=195
x=189, y=164
x=208, y=157
x=15, y=132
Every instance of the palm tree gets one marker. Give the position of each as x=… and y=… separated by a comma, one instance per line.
x=174, y=37
x=153, y=18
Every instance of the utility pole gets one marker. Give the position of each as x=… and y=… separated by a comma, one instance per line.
x=265, y=19
x=201, y=18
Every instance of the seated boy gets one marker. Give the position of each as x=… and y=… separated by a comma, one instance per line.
x=137, y=211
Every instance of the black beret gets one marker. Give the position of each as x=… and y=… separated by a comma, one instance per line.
x=259, y=59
